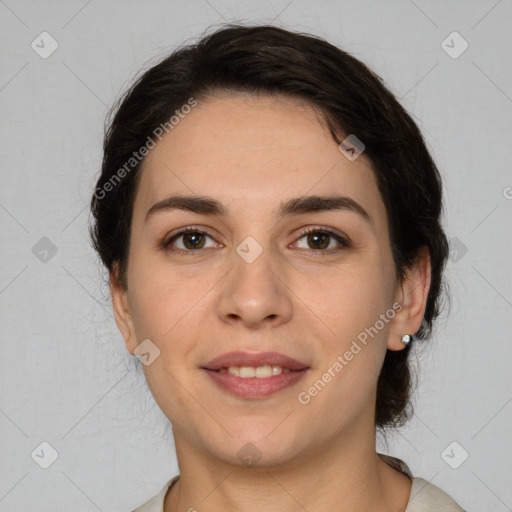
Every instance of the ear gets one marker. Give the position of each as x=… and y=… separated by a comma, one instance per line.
x=412, y=295
x=122, y=311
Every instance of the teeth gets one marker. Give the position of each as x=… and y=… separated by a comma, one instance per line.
x=246, y=372
x=260, y=372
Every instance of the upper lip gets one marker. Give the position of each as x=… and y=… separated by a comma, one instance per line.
x=254, y=359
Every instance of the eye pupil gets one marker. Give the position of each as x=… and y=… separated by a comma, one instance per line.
x=316, y=236
x=193, y=241
x=195, y=236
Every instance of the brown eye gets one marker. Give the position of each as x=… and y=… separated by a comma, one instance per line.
x=318, y=240
x=191, y=239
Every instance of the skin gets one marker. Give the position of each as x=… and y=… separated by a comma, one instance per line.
x=251, y=153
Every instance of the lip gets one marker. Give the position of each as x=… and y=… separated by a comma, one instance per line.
x=254, y=387
x=254, y=359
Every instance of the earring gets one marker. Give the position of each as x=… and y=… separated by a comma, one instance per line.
x=406, y=338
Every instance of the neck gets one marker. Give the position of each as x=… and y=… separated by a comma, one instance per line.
x=345, y=475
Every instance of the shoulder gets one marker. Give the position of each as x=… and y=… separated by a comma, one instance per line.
x=156, y=503
x=426, y=497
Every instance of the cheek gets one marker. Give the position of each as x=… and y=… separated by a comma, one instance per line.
x=351, y=312
x=161, y=297
x=165, y=311
x=345, y=300
x=167, y=306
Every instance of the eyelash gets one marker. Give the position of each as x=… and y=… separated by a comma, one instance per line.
x=345, y=243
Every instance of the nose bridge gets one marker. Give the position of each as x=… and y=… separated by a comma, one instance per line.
x=252, y=275
x=254, y=291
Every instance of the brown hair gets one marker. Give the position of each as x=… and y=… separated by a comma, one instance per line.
x=353, y=100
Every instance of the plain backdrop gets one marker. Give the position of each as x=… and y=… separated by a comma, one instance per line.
x=66, y=378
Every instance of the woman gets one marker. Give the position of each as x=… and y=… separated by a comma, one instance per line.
x=269, y=217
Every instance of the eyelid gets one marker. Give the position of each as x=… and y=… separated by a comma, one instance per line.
x=341, y=238
x=183, y=231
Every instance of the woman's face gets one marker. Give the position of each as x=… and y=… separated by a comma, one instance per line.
x=252, y=280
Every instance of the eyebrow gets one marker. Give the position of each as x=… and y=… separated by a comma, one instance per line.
x=307, y=204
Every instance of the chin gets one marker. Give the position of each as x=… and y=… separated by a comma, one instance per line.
x=261, y=448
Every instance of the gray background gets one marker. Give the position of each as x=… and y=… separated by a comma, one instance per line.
x=66, y=377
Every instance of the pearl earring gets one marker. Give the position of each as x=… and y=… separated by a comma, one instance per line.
x=406, y=338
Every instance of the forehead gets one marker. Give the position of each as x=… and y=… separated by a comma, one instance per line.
x=247, y=151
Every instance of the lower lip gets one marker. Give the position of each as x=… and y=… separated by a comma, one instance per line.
x=254, y=387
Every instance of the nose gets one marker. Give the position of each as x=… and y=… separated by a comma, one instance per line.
x=254, y=294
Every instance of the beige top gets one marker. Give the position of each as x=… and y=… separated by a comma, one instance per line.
x=425, y=497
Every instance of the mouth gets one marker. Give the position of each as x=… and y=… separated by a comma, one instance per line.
x=254, y=375
x=260, y=372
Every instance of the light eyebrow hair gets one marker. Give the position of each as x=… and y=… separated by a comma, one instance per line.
x=307, y=204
